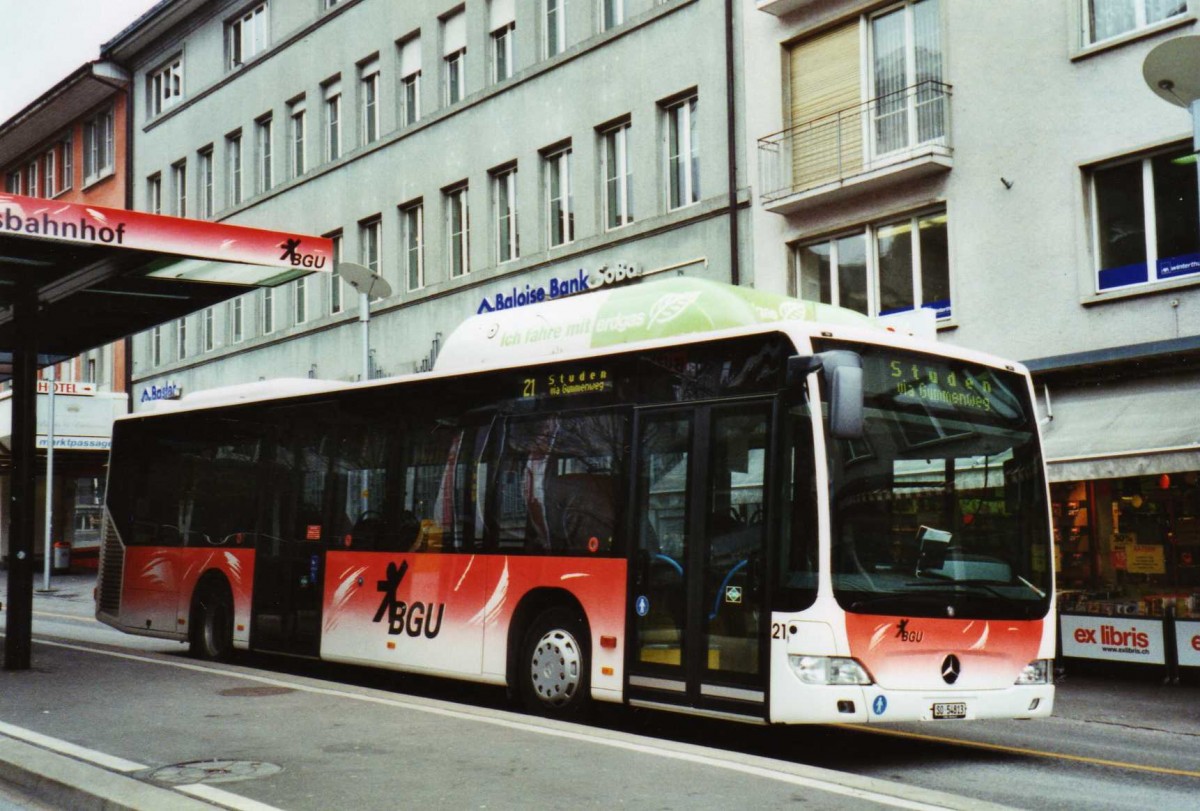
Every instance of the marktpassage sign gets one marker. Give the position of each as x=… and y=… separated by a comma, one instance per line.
x=1114, y=639
x=95, y=225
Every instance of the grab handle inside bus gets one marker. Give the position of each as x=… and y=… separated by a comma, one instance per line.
x=842, y=371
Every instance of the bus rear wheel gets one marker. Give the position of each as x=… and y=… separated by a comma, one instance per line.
x=554, y=668
x=211, y=635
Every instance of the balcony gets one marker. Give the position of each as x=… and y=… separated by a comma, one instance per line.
x=781, y=7
x=887, y=141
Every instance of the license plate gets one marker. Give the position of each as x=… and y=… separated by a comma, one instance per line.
x=950, y=710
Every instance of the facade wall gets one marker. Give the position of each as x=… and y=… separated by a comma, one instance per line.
x=1037, y=111
x=632, y=72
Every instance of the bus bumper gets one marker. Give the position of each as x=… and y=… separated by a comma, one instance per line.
x=876, y=705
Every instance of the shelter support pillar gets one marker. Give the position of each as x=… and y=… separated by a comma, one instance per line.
x=18, y=639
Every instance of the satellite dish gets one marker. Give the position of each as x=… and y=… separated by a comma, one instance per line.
x=1172, y=70
x=363, y=280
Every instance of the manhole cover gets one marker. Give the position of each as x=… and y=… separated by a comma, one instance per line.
x=213, y=771
x=255, y=692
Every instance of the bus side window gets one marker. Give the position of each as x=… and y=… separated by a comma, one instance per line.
x=433, y=507
x=557, y=484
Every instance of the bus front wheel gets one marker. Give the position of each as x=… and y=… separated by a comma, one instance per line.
x=554, y=669
x=212, y=624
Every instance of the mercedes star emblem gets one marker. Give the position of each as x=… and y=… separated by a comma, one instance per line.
x=951, y=667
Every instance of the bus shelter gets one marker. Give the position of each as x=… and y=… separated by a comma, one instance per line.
x=73, y=277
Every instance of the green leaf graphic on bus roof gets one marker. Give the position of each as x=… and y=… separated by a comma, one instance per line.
x=670, y=307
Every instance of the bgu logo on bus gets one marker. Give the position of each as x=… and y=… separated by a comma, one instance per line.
x=1110, y=636
x=402, y=617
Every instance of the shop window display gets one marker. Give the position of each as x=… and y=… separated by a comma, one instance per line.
x=1129, y=546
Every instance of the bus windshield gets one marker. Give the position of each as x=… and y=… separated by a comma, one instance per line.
x=939, y=509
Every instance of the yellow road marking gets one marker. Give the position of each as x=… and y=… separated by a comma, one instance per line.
x=1017, y=750
x=83, y=617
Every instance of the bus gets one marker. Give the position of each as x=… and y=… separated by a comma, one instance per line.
x=677, y=494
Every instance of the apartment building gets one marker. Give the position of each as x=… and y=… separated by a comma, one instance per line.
x=1005, y=168
x=69, y=145
x=479, y=155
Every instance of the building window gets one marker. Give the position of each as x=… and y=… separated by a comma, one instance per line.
x=210, y=335
x=32, y=179
x=156, y=345
x=502, y=52
x=369, y=101
x=412, y=226
x=207, y=202
x=12, y=182
x=683, y=154
x=1105, y=19
x=233, y=163
x=333, y=121
x=300, y=300
x=246, y=35
x=181, y=339
x=458, y=230
x=504, y=185
x=49, y=174
x=296, y=139
x=456, y=76
x=906, y=73
x=560, y=204
x=618, y=185
x=612, y=13
x=894, y=266
x=1144, y=222
x=268, y=310
x=410, y=81
x=369, y=243
x=556, y=27
x=179, y=189
x=154, y=193
x=97, y=147
x=166, y=86
x=337, y=289
x=454, y=55
x=263, y=134
x=237, y=323
x=68, y=165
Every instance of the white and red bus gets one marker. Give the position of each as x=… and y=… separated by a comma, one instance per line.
x=678, y=494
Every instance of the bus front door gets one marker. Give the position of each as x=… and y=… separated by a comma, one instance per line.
x=696, y=581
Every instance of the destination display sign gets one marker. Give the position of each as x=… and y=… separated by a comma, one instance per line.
x=567, y=382
x=942, y=384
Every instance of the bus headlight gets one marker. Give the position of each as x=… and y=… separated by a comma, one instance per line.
x=1036, y=672
x=828, y=670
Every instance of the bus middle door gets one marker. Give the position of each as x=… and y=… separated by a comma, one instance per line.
x=289, y=568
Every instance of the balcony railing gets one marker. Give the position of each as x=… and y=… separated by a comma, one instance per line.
x=836, y=148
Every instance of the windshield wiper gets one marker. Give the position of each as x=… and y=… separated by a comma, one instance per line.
x=941, y=580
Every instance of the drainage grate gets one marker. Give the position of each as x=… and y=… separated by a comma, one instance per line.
x=212, y=771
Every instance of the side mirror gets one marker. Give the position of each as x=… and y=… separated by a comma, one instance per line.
x=846, y=402
x=843, y=383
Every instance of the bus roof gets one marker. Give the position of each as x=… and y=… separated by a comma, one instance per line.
x=611, y=317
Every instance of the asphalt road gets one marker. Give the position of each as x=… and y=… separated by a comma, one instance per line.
x=1112, y=744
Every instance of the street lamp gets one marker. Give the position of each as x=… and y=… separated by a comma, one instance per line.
x=370, y=285
x=1172, y=71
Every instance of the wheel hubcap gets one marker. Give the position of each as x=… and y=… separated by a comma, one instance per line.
x=555, y=668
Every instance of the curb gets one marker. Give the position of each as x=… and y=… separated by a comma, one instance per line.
x=59, y=780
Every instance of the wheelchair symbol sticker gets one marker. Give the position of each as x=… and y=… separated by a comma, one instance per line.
x=642, y=606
